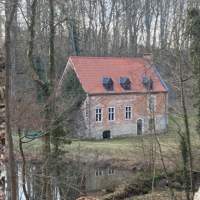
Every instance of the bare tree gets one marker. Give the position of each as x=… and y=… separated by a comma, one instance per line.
x=10, y=10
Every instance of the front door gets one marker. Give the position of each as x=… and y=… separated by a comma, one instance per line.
x=139, y=127
x=106, y=134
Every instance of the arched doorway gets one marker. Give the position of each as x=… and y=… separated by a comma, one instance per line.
x=106, y=134
x=139, y=127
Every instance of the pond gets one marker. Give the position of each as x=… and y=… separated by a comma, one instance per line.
x=69, y=180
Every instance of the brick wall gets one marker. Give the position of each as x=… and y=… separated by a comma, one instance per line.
x=120, y=126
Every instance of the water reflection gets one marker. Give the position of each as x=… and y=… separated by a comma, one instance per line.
x=70, y=180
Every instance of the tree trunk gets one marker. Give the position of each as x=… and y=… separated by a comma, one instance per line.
x=10, y=13
x=187, y=133
x=23, y=166
x=47, y=193
x=148, y=24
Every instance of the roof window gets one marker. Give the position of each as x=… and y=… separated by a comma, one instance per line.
x=107, y=83
x=148, y=83
x=125, y=83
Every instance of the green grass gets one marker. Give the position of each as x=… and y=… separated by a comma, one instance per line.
x=131, y=150
x=125, y=144
x=127, y=150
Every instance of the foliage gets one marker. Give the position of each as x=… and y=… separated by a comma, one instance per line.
x=72, y=97
x=96, y=28
x=72, y=90
x=58, y=135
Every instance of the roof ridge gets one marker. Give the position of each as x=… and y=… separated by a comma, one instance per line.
x=105, y=57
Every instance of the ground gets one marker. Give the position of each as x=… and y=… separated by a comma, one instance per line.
x=123, y=151
x=133, y=153
x=156, y=195
x=159, y=195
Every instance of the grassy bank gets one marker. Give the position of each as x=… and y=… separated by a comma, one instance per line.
x=127, y=150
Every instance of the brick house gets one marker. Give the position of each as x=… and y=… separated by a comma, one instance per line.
x=124, y=96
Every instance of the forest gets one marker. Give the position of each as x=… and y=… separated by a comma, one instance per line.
x=39, y=156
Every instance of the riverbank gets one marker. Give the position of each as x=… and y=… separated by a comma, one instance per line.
x=133, y=152
x=124, y=157
x=116, y=166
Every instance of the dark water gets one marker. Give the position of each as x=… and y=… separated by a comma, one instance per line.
x=70, y=180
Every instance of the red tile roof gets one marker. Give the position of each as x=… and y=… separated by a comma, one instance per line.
x=91, y=70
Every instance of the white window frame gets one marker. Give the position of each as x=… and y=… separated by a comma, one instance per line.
x=111, y=171
x=113, y=112
x=98, y=113
x=130, y=111
x=99, y=172
x=154, y=101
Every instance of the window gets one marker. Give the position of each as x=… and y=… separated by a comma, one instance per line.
x=125, y=83
x=108, y=83
x=99, y=172
x=86, y=113
x=111, y=114
x=111, y=171
x=106, y=134
x=152, y=103
x=98, y=114
x=139, y=126
x=86, y=110
x=151, y=124
x=128, y=112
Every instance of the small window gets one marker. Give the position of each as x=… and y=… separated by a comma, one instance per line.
x=99, y=172
x=152, y=103
x=111, y=171
x=111, y=114
x=86, y=110
x=86, y=114
x=148, y=83
x=151, y=124
x=125, y=83
x=139, y=127
x=128, y=112
x=106, y=134
x=98, y=114
x=108, y=83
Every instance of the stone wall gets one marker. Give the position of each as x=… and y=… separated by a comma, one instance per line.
x=120, y=126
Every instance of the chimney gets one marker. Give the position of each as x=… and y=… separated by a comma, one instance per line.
x=148, y=57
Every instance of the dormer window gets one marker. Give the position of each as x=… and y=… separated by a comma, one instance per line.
x=125, y=83
x=107, y=83
x=148, y=83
